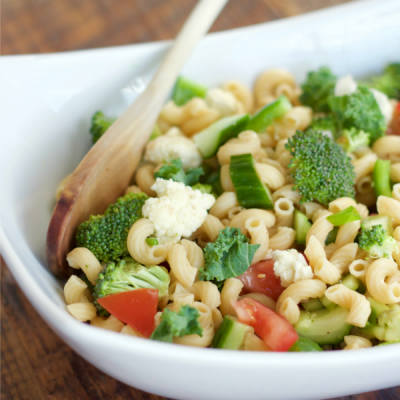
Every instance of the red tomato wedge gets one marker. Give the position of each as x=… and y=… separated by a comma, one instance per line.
x=277, y=333
x=136, y=308
x=261, y=278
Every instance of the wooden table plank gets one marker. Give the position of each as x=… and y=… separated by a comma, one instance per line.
x=35, y=363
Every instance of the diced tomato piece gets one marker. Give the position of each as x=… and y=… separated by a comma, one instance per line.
x=261, y=278
x=276, y=332
x=136, y=308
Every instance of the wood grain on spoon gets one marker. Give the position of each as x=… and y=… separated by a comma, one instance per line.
x=108, y=167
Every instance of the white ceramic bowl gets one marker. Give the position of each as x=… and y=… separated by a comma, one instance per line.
x=46, y=102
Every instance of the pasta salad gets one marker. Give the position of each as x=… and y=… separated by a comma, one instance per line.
x=264, y=220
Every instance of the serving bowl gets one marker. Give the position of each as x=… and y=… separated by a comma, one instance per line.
x=46, y=103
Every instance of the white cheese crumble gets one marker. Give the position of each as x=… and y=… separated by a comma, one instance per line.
x=178, y=211
x=223, y=101
x=384, y=104
x=346, y=85
x=167, y=147
x=291, y=266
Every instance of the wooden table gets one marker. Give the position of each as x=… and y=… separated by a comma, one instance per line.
x=35, y=363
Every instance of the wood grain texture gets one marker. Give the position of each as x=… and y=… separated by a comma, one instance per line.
x=35, y=363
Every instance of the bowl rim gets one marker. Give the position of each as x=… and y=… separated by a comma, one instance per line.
x=69, y=328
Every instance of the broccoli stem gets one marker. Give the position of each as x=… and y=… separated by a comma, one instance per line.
x=381, y=176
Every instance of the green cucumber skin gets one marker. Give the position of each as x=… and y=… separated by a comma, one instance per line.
x=381, y=178
x=305, y=345
x=230, y=335
x=210, y=139
x=383, y=220
x=312, y=305
x=350, y=281
x=376, y=309
x=264, y=118
x=185, y=89
x=250, y=191
x=324, y=327
x=327, y=303
x=301, y=225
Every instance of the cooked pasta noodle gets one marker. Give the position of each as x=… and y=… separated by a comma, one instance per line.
x=357, y=304
x=74, y=290
x=223, y=204
x=82, y=311
x=262, y=298
x=128, y=330
x=138, y=247
x=270, y=176
x=356, y=342
x=230, y=292
x=390, y=207
x=320, y=228
x=301, y=290
x=344, y=256
x=247, y=142
x=290, y=310
x=358, y=268
x=145, y=179
x=82, y=258
x=376, y=278
x=283, y=239
x=239, y=220
x=259, y=235
x=179, y=263
x=111, y=323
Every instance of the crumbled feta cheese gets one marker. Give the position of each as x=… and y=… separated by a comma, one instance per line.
x=291, y=266
x=223, y=101
x=167, y=147
x=385, y=105
x=345, y=85
x=178, y=211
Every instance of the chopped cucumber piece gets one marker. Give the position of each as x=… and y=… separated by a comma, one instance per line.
x=324, y=326
x=327, y=303
x=304, y=344
x=376, y=309
x=301, y=225
x=250, y=191
x=391, y=342
x=272, y=111
x=230, y=334
x=212, y=138
x=185, y=89
x=350, y=281
x=383, y=220
x=381, y=177
x=312, y=305
x=343, y=217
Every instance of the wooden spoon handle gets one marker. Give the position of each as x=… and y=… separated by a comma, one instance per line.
x=107, y=168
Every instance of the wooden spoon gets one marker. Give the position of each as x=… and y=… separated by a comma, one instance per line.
x=105, y=172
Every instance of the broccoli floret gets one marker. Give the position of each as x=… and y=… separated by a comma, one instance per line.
x=388, y=82
x=352, y=139
x=105, y=235
x=359, y=110
x=204, y=188
x=377, y=243
x=127, y=274
x=174, y=170
x=324, y=124
x=318, y=86
x=320, y=167
x=100, y=123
